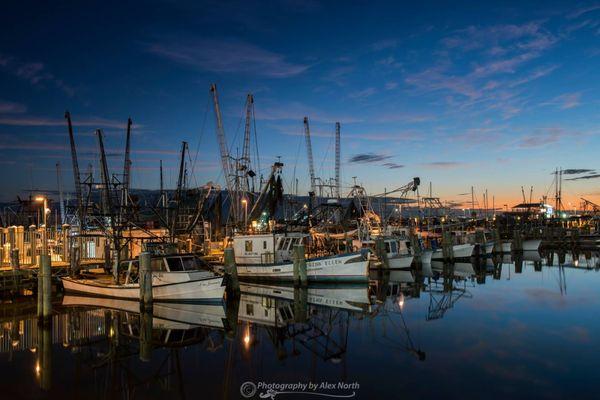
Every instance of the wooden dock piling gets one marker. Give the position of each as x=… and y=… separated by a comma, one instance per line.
x=146, y=318
x=381, y=253
x=146, y=297
x=231, y=270
x=447, y=246
x=517, y=244
x=300, y=271
x=46, y=273
x=300, y=304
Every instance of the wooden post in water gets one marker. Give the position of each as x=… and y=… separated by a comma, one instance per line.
x=497, y=241
x=381, y=253
x=46, y=265
x=447, y=246
x=231, y=270
x=517, y=240
x=146, y=298
x=300, y=271
x=415, y=245
x=232, y=308
x=146, y=318
x=45, y=339
x=14, y=259
x=300, y=304
x=74, y=256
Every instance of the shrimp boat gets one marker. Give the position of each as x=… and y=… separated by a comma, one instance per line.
x=269, y=256
x=176, y=277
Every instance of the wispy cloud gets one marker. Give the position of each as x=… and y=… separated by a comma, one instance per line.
x=565, y=101
x=226, y=56
x=368, y=158
x=296, y=111
x=583, y=10
x=591, y=176
x=392, y=165
x=444, y=164
x=545, y=137
x=95, y=122
x=575, y=171
x=500, y=54
x=9, y=107
x=35, y=73
x=364, y=93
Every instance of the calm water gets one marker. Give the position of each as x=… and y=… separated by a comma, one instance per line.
x=493, y=329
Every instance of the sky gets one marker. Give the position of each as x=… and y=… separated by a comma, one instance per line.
x=493, y=95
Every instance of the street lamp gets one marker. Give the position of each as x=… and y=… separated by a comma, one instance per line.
x=245, y=203
x=45, y=220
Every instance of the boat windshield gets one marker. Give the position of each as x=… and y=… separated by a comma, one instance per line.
x=175, y=264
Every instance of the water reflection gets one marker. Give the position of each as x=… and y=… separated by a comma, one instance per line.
x=273, y=331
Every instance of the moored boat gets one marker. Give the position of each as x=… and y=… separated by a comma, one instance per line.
x=174, y=278
x=270, y=257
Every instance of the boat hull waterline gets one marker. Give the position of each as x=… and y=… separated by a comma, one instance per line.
x=210, y=289
x=348, y=267
x=459, y=251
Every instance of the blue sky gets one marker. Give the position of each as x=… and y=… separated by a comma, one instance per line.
x=487, y=95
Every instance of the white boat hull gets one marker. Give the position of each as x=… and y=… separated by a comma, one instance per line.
x=400, y=262
x=210, y=289
x=506, y=247
x=531, y=244
x=349, y=267
x=459, y=250
x=426, y=256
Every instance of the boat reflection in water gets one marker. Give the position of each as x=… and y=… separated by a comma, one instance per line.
x=270, y=331
x=165, y=315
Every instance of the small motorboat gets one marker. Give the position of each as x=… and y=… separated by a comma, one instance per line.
x=176, y=277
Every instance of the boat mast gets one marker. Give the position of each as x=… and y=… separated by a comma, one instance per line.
x=311, y=166
x=126, y=165
x=63, y=218
x=337, y=160
x=76, y=176
x=225, y=161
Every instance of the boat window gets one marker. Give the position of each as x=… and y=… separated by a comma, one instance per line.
x=288, y=241
x=190, y=263
x=248, y=245
x=157, y=264
x=264, y=244
x=280, y=243
x=250, y=309
x=387, y=247
x=394, y=247
x=175, y=264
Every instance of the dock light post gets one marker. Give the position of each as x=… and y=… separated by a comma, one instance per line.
x=245, y=203
x=44, y=200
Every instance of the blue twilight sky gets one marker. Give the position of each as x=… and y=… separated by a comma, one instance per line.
x=461, y=94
